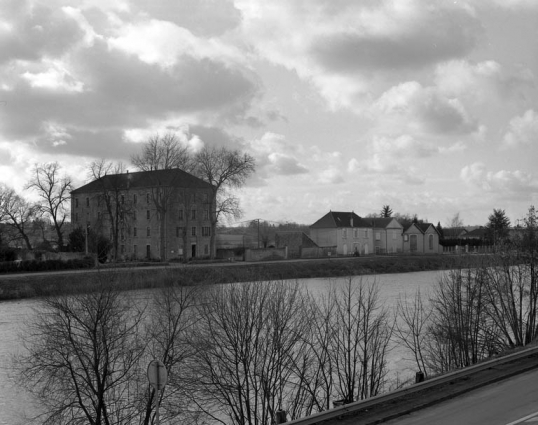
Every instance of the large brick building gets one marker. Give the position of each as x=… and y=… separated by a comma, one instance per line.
x=163, y=214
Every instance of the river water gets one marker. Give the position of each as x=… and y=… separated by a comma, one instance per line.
x=15, y=405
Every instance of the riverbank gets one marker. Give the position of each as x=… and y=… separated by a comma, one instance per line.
x=130, y=278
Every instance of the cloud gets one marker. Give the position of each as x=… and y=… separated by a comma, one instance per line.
x=276, y=156
x=522, y=130
x=508, y=184
x=31, y=31
x=481, y=82
x=208, y=18
x=352, y=50
x=426, y=109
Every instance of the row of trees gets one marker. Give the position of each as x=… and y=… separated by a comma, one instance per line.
x=22, y=216
x=240, y=353
x=235, y=353
x=477, y=310
x=224, y=169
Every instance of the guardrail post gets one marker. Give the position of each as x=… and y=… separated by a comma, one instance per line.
x=280, y=417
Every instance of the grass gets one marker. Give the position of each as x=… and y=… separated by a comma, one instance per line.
x=41, y=285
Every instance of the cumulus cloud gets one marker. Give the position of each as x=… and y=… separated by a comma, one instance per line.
x=512, y=184
x=424, y=109
x=95, y=86
x=276, y=156
x=522, y=130
x=351, y=50
x=480, y=82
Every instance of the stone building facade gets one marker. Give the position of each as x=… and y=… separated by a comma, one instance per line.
x=160, y=214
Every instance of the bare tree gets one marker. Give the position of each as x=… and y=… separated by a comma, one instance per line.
x=454, y=221
x=82, y=358
x=225, y=170
x=53, y=189
x=172, y=320
x=112, y=196
x=18, y=214
x=163, y=153
x=513, y=289
x=411, y=328
x=361, y=334
x=461, y=332
x=249, y=340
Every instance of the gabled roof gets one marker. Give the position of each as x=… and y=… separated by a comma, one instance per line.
x=335, y=219
x=144, y=179
x=454, y=232
x=422, y=227
x=476, y=233
x=382, y=222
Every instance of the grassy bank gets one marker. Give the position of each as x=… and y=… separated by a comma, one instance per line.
x=30, y=286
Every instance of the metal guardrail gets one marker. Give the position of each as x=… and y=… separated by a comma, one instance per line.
x=372, y=401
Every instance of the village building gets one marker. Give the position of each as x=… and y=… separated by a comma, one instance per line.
x=346, y=232
x=387, y=235
x=421, y=238
x=160, y=214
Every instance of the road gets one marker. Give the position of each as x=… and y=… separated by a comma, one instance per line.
x=510, y=402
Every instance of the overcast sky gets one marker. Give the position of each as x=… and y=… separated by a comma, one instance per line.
x=430, y=106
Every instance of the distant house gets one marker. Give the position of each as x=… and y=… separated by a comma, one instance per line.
x=454, y=233
x=346, y=232
x=387, y=234
x=421, y=238
x=295, y=241
x=479, y=233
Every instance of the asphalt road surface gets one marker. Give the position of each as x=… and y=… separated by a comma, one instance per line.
x=510, y=402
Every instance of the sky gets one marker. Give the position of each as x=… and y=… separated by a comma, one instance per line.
x=430, y=107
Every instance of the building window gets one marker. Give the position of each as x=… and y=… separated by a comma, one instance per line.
x=393, y=236
x=193, y=231
x=406, y=238
x=76, y=202
x=344, y=233
x=430, y=241
x=135, y=250
x=193, y=214
x=135, y=199
x=147, y=198
x=87, y=202
x=206, y=214
x=148, y=232
x=355, y=233
x=365, y=233
x=206, y=249
x=76, y=216
x=206, y=198
x=180, y=215
x=134, y=215
x=378, y=236
x=148, y=215
x=135, y=231
x=98, y=215
x=122, y=249
x=206, y=231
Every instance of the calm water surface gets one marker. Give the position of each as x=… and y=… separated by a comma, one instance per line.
x=15, y=404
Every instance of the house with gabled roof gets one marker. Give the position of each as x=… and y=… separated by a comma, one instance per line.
x=421, y=238
x=346, y=232
x=387, y=234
